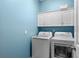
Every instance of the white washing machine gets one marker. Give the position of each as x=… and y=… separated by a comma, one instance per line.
x=62, y=45
x=41, y=45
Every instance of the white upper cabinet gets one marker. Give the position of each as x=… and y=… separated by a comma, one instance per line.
x=68, y=18
x=49, y=19
x=53, y=19
x=57, y=18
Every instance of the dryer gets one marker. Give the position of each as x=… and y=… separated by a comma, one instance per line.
x=62, y=45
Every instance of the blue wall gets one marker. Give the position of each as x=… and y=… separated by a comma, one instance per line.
x=52, y=5
x=16, y=16
x=57, y=29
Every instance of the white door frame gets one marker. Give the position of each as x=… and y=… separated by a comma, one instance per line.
x=76, y=28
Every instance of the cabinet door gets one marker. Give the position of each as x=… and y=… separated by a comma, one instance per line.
x=41, y=20
x=68, y=18
x=49, y=19
x=53, y=19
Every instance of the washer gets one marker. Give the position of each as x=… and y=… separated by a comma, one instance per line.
x=41, y=45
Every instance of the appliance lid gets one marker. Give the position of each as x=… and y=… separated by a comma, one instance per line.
x=45, y=34
x=63, y=34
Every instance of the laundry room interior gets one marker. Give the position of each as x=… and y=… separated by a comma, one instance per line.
x=39, y=29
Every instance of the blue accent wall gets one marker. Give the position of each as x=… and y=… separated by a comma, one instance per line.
x=52, y=5
x=57, y=29
x=16, y=16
